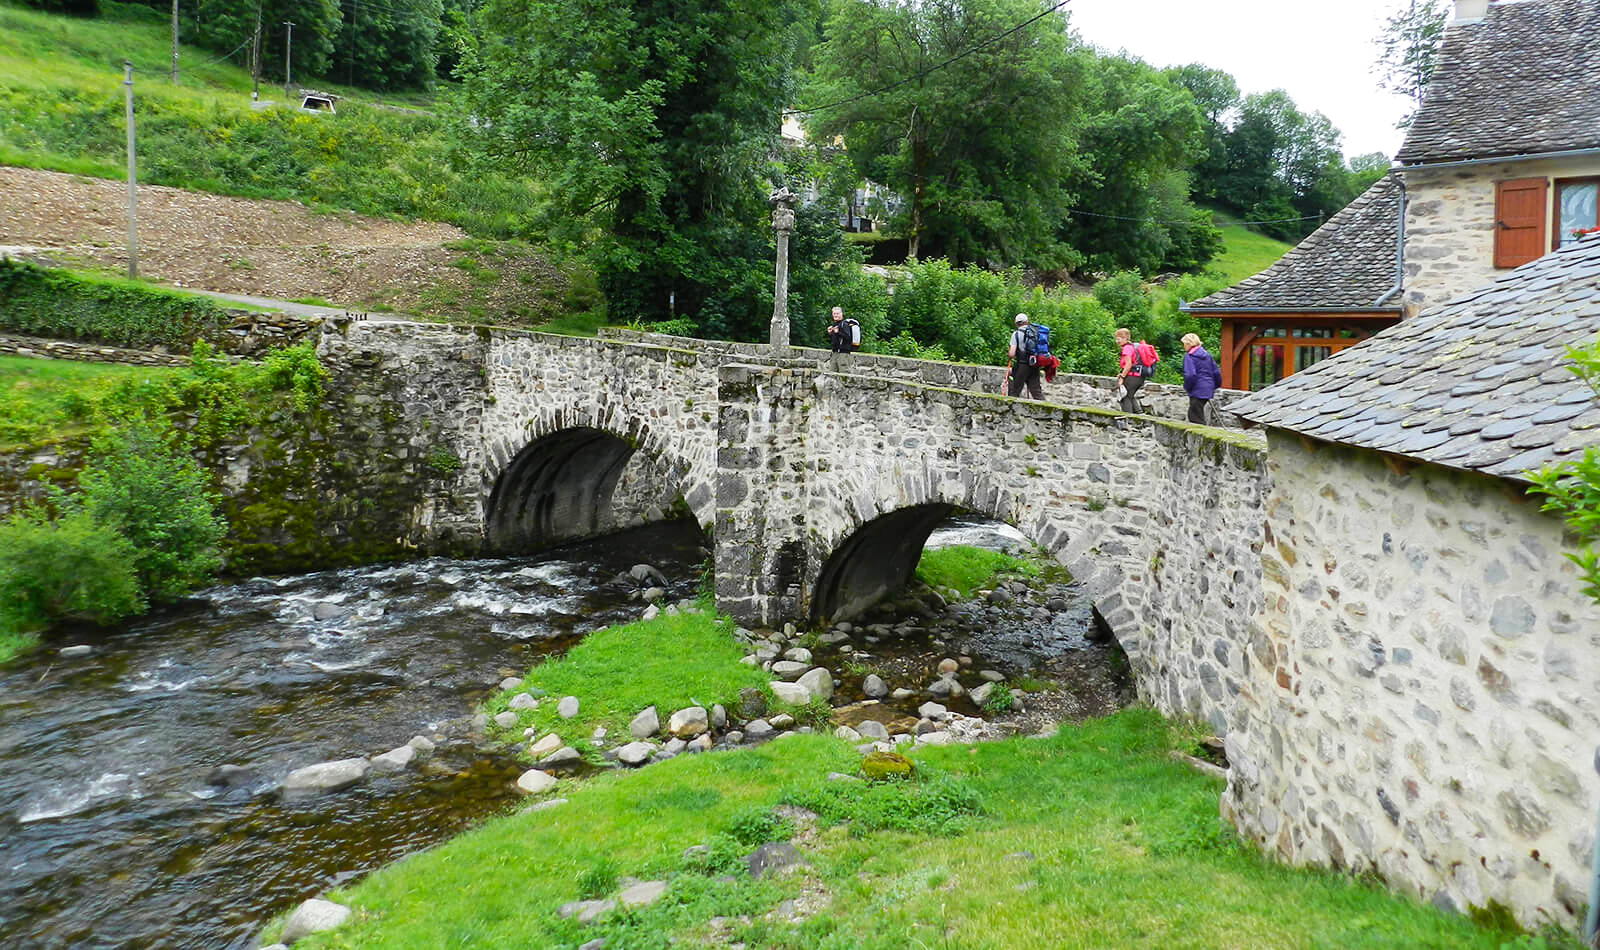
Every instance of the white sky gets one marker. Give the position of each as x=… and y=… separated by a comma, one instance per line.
x=1320, y=51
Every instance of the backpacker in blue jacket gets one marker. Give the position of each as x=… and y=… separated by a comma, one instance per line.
x=1035, y=342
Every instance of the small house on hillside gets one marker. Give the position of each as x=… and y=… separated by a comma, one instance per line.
x=1500, y=166
x=1426, y=706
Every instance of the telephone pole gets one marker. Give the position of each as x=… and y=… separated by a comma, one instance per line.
x=133, y=182
x=288, y=46
x=255, y=59
x=174, y=41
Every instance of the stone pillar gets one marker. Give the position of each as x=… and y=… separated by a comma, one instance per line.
x=762, y=559
x=783, y=223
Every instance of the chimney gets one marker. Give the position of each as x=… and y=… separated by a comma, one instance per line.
x=1470, y=11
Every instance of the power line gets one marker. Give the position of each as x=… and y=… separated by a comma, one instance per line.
x=1118, y=217
x=933, y=69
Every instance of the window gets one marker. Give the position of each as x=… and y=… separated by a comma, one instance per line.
x=1576, y=207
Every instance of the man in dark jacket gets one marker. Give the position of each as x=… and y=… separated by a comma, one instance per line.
x=1201, y=377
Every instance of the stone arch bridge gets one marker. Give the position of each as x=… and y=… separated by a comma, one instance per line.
x=820, y=477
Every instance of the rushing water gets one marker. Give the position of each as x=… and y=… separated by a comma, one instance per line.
x=110, y=835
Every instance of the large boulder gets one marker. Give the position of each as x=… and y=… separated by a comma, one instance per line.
x=752, y=703
x=688, y=723
x=535, y=782
x=326, y=777
x=884, y=765
x=646, y=724
x=635, y=753
x=313, y=916
x=873, y=687
x=789, y=669
x=818, y=682
x=790, y=693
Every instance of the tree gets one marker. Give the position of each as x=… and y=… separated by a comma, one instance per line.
x=1408, y=47
x=224, y=24
x=650, y=124
x=389, y=44
x=974, y=129
x=1571, y=489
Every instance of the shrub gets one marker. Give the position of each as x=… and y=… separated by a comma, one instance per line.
x=140, y=484
x=78, y=306
x=70, y=568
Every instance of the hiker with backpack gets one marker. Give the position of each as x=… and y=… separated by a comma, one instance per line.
x=1136, y=363
x=844, y=336
x=1201, y=377
x=1030, y=344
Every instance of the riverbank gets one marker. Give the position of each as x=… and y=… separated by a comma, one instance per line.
x=1092, y=837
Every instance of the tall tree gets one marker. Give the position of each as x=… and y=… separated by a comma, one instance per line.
x=972, y=126
x=225, y=24
x=1407, y=48
x=388, y=44
x=650, y=124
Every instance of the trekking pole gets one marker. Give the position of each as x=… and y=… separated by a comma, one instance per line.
x=1591, y=923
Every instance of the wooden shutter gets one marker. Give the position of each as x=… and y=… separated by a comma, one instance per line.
x=1519, y=211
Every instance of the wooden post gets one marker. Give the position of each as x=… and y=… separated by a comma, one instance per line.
x=133, y=179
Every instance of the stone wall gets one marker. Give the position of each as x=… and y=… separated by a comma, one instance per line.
x=1068, y=389
x=1450, y=224
x=1423, y=701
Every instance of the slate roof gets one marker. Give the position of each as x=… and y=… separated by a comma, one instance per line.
x=1348, y=263
x=1481, y=383
x=1524, y=80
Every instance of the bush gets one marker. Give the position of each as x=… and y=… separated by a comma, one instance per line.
x=70, y=568
x=77, y=306
x=142, y=485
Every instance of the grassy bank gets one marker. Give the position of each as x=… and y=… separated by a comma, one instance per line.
x=1244, y=252
x=45, y=400
x=964, y=569
x=1092, y=838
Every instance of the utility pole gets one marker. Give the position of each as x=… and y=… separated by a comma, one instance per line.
x=288, y=46
x=133, y=181
x=174, y=41
x=255, y=60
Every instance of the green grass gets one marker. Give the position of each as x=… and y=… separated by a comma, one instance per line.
x=670, y=662
x=1093, y=838
x=61, y=108
x=13, y=644
x=966, y=568
x=1244, y=252
x=47, y=399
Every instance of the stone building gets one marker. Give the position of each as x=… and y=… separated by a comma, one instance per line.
x=1425, y=700
x=1501, y=165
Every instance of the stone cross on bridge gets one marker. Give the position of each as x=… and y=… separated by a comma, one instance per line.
x=819, y=478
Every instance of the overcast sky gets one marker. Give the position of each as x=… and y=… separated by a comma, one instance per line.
x=1320, y=51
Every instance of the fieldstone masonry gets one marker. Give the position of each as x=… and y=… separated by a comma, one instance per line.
x=1421, y=692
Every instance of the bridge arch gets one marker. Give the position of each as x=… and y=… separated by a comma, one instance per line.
x=561, y=480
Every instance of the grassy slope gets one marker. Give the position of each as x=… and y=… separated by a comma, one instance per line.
x=44, y=399
x=1244, y=252
x=1123, y=848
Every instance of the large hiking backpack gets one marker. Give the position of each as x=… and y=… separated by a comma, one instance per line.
x=1145, y=359
x=1035, y=342
x=854, y=329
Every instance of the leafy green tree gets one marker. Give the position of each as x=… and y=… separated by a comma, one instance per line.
x=390, y=44
x=650, y=124
x=224, y=24
x=1572, y=489
x=141, y=484
x=980, y=147
x=1408, y=48
x=70, y=568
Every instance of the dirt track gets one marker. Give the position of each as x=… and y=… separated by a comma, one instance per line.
x=276, y=249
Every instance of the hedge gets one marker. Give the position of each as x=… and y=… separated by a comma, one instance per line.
x=62, y=304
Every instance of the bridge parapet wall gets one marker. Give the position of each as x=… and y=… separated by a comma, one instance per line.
x=1068, y=389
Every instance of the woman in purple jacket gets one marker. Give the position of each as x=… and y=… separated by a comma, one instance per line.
x=1201, y=377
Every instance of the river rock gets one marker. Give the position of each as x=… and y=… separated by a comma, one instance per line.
x=646, y=724
x=932, y=711
x=326, y=777
x=935, y=738
x=642, y=894
x=781, y=721
x=505, y=719
x=422, y=744
x=818, y=682
x=585, y=912
x=719, y=717
x=313, y=916
x=395, y=760
x=873, y=687
x=774, y=857
x=545, y=746
x=329, y=611
x=480, y=722
x=1001, y=596
x=568, y=707
x=635, y=753
x=79, y=649
x=757, y=729
x=688, y=723
x=653, y=594
x=872, y=729
x=752, y=703
x=700, y=743
x=847, y=734
x=645, y=574
x=510, y=682
x=948, y=665
x=790, y=692
x=981, y=694
x=798, y=655
x=564, y=756
x=945, y=687
x=231, y=776
x=991, y=676
x=788, y=669
x=534, y=782
x=650, y=613
x=522, y=701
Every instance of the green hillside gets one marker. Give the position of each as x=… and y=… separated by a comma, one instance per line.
x=61, y=108
x=1244, y=252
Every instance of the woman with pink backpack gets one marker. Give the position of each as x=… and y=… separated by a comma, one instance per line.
x=1136, y=362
